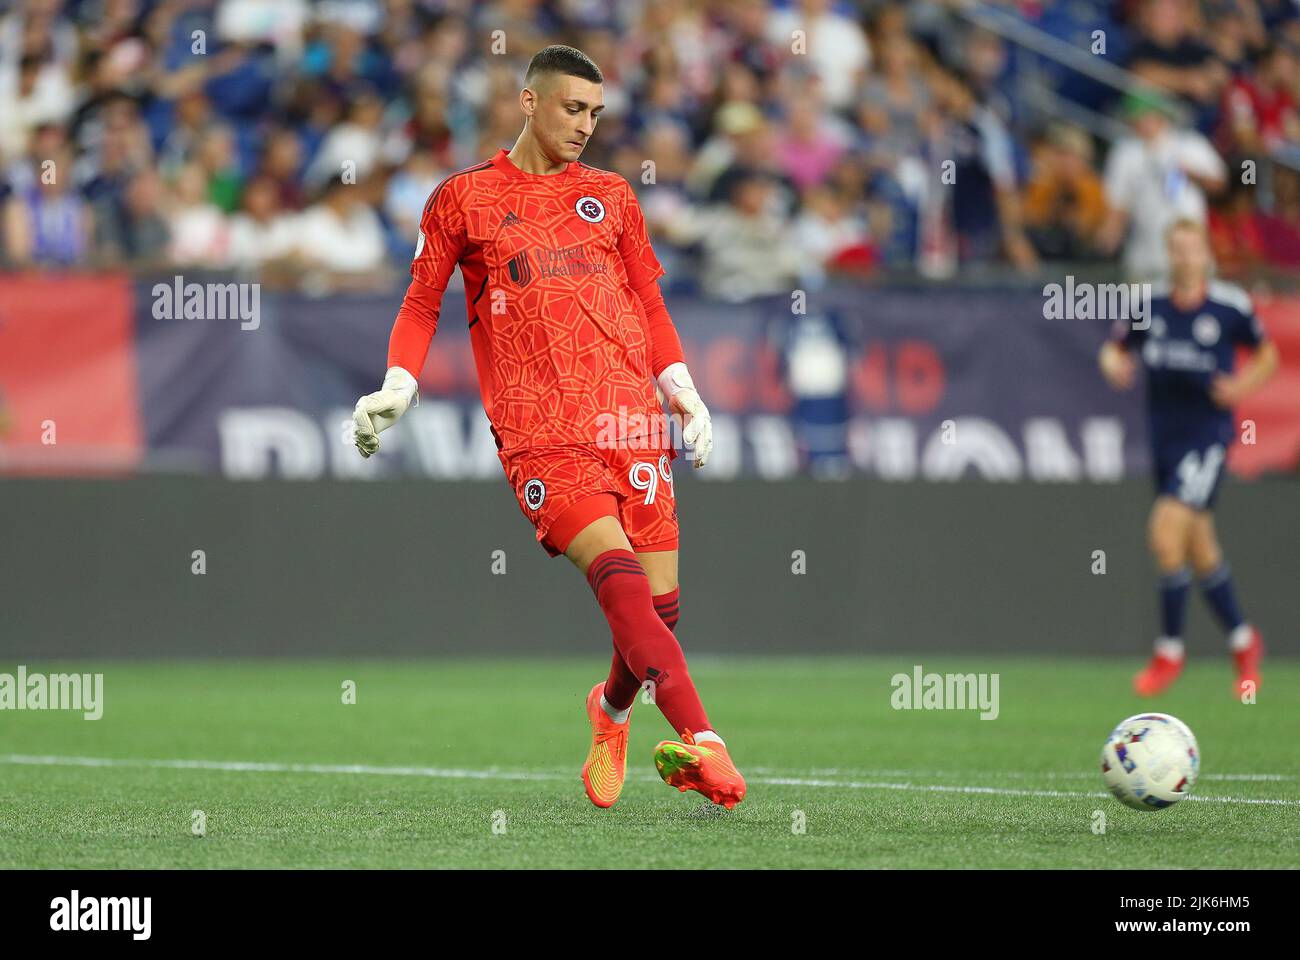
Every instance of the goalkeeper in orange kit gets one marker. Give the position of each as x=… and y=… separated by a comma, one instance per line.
x=570, y=334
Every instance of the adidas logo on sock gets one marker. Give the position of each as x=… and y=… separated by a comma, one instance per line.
x=654, y=675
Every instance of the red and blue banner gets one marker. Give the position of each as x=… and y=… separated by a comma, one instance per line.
x=102, y=373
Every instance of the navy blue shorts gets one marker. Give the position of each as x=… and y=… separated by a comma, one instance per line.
x=1190, y=473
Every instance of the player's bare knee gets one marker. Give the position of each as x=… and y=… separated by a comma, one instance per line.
x=1169, y=558
x=1169, y=550
x=1206, y=553
x=1169, y=535
x=661, y=569
x=664, y=581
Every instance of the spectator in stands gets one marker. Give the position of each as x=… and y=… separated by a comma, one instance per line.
x=984, y=59
x=871, y=199
x=894, y=102
x=104, y=97
x=404, y=200
x=262, y=233
x=836, y=45
x=1235, y=232
x=353, y=146
x=135, y=230
x=1259, y=107
x=985, y=201
x=46, y=222
x=500, y=125
x=1170, y=55
x=124, y=147
x=321, y=111
x=832, y=236
x=1064, y=201
x=751, y=41
x=216, y=157
x=748, y=251
x=37, y=25
x=1281, y=227
x=896, y=107
x=282, y=164
x=1235, y=33
x=428, y=130
x=341, y=234
x=742, y=144
x=665, y=102
x=810, y=142
x=48, y=141
x=39, y=92
x=1160, y=174
x=676, y=37
x=200, y=230
x=667, y=145
x=662, y=192
x=239, y=80
x=191, y=119
x=106, y=178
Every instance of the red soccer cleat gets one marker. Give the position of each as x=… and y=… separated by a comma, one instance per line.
x=606, y=766
x=1247, y=662
x=704, y=767
x=1157, y=675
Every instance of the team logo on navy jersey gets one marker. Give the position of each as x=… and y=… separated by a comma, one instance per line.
x=590, y=209
x=534, y=494
x=1206, y=330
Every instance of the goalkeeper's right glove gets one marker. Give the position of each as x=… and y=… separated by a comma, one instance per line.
x=376, y=412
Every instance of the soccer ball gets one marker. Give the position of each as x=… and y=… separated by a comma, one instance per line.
x=1150, y=761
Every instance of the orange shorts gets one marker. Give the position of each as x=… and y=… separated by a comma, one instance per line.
x=563, y=489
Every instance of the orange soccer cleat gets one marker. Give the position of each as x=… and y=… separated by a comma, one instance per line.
x=1157, y=675
x=602, y=774
x=1247, y=662
x=703, y=767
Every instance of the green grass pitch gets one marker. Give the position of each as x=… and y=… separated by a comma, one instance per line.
x=475, y=764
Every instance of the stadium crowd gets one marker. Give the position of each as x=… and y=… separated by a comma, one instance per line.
x=770, y=143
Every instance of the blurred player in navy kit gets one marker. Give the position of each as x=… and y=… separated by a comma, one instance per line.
x=1188, y=350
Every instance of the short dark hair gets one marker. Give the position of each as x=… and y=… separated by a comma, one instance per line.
x=557, y=58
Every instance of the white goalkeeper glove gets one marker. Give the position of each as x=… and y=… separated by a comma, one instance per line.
x=376, y=412
x=697, y=429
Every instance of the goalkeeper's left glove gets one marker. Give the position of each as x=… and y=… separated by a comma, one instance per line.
x=697, y=428
x=376, y=412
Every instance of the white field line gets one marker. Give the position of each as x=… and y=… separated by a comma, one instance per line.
x=452, y=773
x=1017, y=775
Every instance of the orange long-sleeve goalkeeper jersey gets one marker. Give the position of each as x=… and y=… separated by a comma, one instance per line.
x=565, y=316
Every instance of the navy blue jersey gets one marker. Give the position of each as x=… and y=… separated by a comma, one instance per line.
x=1182, y=351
